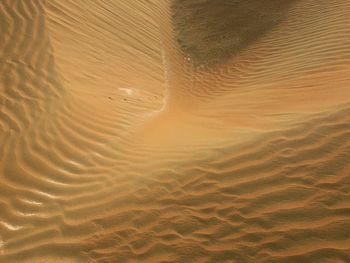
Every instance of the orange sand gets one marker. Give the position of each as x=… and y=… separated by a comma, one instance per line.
x=130, y=133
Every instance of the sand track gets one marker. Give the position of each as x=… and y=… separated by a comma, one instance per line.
x=118, y=146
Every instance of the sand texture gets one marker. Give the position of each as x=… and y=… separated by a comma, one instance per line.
x=175, y=131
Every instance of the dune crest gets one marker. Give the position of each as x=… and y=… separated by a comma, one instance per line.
x=130, y=132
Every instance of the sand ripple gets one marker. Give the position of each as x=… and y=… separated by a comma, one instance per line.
x=116, y=146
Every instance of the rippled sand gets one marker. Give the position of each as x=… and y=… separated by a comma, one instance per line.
x=174, y=131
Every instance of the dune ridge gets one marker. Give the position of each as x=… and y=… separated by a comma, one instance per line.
x=115, y=146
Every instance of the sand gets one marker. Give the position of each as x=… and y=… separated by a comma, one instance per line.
x=174, y=131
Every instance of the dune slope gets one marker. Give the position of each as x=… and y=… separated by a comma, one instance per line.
x=147, y=131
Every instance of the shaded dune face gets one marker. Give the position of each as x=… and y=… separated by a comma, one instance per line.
x=116, y=147
x=289, y=70
x=212, y=31
x=29, y=83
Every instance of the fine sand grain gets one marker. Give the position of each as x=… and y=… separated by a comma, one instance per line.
x=174, y=131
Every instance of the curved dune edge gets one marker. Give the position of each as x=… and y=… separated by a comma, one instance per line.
x=115, y=148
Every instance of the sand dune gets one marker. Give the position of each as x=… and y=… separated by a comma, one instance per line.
x=174, y=131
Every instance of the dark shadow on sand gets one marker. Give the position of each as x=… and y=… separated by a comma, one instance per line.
x=212, y=31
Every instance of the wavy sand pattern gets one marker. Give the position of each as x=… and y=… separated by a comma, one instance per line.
x=151, y=131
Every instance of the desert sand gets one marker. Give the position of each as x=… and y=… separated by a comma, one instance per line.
x=174, y=131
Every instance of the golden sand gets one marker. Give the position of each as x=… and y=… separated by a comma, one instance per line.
x=174, y=131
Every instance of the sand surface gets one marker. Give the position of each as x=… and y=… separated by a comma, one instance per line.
x=175, y=131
